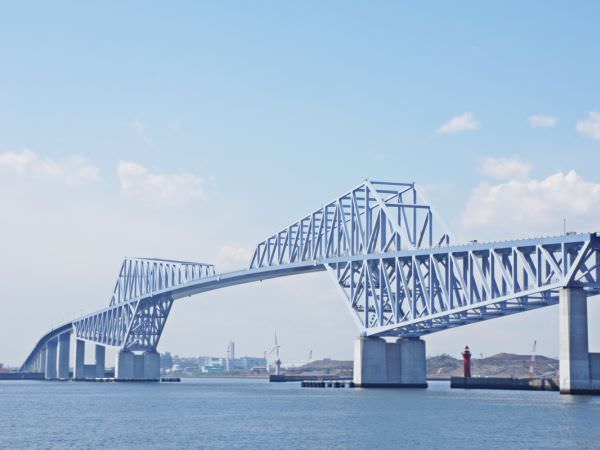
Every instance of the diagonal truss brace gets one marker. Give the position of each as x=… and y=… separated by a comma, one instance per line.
x=418, y=292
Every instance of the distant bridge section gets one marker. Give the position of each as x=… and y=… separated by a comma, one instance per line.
x=137, y=311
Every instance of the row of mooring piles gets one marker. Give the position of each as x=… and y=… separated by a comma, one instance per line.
x=325, y=384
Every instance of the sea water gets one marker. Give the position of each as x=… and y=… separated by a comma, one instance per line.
x=256, y=414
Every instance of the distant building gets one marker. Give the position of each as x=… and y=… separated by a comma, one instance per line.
x=213, y=365
x=230, y=357
x=246, y=364
x=203, y=360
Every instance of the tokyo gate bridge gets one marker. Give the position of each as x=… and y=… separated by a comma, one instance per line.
x=399, y=274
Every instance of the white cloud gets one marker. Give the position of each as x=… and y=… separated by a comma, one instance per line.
x=505, y=168
x=464, y=122
x=140, y=128
x=75, y=170
x=591, y=126
x=137, y=183
x=532, y=207
x=539, y=121
x=230, y=257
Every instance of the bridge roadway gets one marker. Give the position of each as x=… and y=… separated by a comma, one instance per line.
x=397, y=277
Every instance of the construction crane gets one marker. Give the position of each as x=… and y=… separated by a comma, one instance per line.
x=532, y=362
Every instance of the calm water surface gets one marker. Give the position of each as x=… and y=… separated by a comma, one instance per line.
x=253, y=414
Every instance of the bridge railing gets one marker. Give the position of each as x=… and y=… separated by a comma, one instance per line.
x=373, y=217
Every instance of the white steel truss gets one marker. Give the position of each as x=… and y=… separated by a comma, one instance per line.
x=419, y=292
x=373, y=217
x=137, y=313
x=139, y=277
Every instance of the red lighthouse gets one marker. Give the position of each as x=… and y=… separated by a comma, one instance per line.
x=467, y=361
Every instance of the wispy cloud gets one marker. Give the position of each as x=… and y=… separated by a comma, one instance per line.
x=539, y=121
x=505, y=168
x=591, y=126
x=140, y=128
x=138, y=183
x=73, y=171
x=464, y=122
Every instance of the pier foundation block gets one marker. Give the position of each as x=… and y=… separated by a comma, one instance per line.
x=50, y=360
x=579, y=369
x=138, y=367
x=64, y=347
x=151, y=366
x=79, y=369
x=378, y=363
x=124, y=368
x=100, y=361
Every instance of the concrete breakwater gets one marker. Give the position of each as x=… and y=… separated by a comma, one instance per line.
x=21, y=376
x=524, y=384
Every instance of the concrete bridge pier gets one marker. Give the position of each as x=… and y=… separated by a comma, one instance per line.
x=124, y=365
x=579, y=369
x=64, y=346
x=378, y=363
x=100, y=361
x=151, y=365
x=84, y=371
x=40, y=363
x=138, y=367
x=50, y=359
x=79, y=369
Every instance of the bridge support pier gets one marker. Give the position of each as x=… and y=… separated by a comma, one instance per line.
x=50, y=360
x=378, y=363
x=124, y=368
x=100, y=360
x=64, y=346
x=41, y=364
x=142, y=367
x=79, y=369
x=151, y=365
x=579, y=369
x=84, y=371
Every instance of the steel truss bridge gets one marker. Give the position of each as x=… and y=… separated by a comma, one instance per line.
x=398, y=273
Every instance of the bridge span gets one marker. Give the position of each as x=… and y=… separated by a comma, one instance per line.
x=397, y=270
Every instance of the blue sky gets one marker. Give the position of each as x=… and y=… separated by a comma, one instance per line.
x=195, y=129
